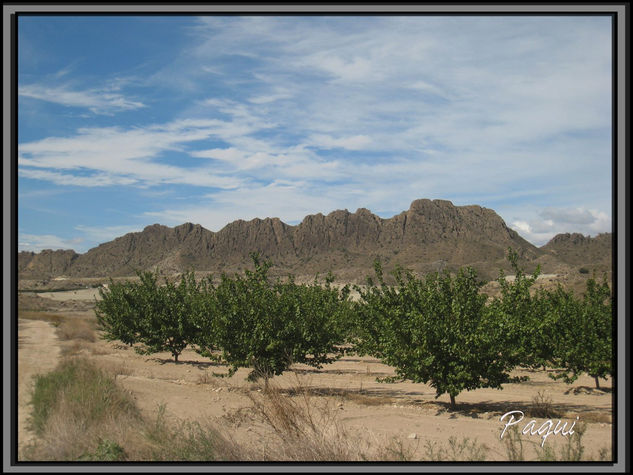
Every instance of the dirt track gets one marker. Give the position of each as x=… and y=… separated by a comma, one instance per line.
x=38, y=353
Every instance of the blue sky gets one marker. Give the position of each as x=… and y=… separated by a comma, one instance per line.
x=129, y=121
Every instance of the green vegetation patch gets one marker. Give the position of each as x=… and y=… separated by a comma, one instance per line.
x=88, y=394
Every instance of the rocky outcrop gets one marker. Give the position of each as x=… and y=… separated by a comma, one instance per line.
x=428, y=234
x=576, y=249
x=45, y=263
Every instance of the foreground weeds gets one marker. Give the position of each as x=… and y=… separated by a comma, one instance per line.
x=305, y=428
x=572, y=450
x=80, y=413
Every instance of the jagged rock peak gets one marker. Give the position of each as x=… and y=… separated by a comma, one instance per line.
x=575, y=238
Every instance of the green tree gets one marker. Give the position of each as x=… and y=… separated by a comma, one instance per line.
x=524, y=315
x=436, y=330
x=168, y=318
x=158, y=317
x=118, y=311
x=268, y=325
x=586, y=332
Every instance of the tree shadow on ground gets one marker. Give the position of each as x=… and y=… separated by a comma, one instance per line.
x=197, y=364
x=304, y=371
x=589, y=390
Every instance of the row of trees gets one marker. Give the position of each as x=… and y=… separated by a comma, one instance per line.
x=248, y=320
x=440, y=329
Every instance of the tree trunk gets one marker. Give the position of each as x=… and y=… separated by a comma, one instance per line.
x=597, y=382
x=452, y=402
x=175, y=357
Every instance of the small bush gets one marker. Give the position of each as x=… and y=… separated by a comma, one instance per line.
x=107, y=451
x=542, y=407
x=583, y=270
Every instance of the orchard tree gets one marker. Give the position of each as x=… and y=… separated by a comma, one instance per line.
x=436, y=330
x=524, y=316
x=586, y=332
x=158, y=317
x=168, y=316
x=268, y=326
x=119, y=310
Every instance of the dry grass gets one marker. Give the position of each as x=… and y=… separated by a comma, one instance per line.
x=76, y=329
x=466, y=450
x=50, y=317
x=74, y=348
x=368, y=399
x=80, y=413
x=599, y=417
x=572, y=450
x=114, y=368
x=305, y=428
x=542, y=407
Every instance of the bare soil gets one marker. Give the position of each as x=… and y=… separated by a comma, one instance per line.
x=38, y=353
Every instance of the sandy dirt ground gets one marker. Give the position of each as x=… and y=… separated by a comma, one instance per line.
x=38, y=353
x=380, y=413
x=374, y=413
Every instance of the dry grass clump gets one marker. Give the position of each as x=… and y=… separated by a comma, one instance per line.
x=572, y=450
x=73, y=348
x=73, y=406
x=181, y=441
x=542, y=407
x=76, y=329
x=305, y=429
x=114, y=368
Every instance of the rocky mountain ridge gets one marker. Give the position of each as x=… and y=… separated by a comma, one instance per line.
x=430, y=235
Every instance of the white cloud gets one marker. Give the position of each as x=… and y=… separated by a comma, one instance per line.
x=549, y=222
x=39, y=242
x=119, y=156
x=289, y=201
x=356, y=142
x=97, y=101
x=100, y=234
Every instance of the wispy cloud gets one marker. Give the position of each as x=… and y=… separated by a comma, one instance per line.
x=39, y=242
x=122, y=156
x=99, y=234
x=97, y=101
x=286, y=116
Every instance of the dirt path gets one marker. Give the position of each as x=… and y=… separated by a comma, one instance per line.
x=38, y=352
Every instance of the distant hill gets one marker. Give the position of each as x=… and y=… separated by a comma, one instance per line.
x=430, y=235
x=46, y=263
x=578, y=250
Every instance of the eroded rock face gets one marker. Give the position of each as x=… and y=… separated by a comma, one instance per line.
x=45, y=263
x=430, y=231
x=577, y=249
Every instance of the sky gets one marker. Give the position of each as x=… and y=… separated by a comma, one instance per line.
x=127, y=121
